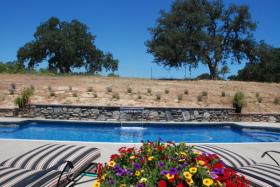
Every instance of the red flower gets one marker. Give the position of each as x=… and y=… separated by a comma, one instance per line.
x=114, y=156
x=162, y=183
x=217, y=165
x=180, y=185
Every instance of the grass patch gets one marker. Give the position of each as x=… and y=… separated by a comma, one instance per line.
x=238, y=101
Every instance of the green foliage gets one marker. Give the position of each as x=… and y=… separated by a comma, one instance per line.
x=89, y=89
x=277, y=101
x=149, y=90
x=158, y=96
x=199, y=98
x=116, y=96
x=129, y=90
x=166, y=91
x=259, y=98
x=13, y=86
x=112, y=75
x=202, y=31
x=65, y=46
x=206, y=76
x=238, y=101
x=223, y=94
x=11, y=67
x=180, y=97
x=109, y=89
x=224, y=70
x=204, y=94
x=23, y=100
x=266, y=69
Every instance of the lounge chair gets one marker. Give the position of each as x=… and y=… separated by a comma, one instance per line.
x=259, y=174
x=47, y=165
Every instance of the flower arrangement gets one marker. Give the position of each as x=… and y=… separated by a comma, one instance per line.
x=165, y=165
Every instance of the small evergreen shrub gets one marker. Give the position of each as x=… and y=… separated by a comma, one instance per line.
x=109, y=89
x=199, y=98
x=139, y=97
x=277, y=101
x=259, y=98
x=223, y=94
x=89, y=89
x=204, y=94
x=95, y=95
x=149, y=90
x=180, y=97
x=238, y=101
x=23, y=100
x=11, y=91
x=166, y=91
x=116, y=96
x=52, y=93
x=75, y=94
x=129, y=90
x=158, y=96
x=186, y=92
x=13, y=86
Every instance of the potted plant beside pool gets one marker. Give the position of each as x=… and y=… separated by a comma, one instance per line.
x=164, y=165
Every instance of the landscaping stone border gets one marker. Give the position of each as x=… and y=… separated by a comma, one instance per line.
x=113, y=113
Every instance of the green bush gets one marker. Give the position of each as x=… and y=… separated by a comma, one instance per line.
x=238, y=101
x=166, y=91
x=109, y=89
x=204, y=93
x=13, y=86
x=277, y=101
x=180, y=97
x=259, y=98
x=129, y=90
x=23, y=100
x=199, y=98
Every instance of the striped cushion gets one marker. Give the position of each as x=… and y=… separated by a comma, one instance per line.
x=230, y=158
x=14, y=177
x=262, y=174
x=52, y=156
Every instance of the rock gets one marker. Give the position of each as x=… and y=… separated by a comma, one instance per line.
x=77, y=110
x=186, y=115
x=206, y=115
x=272, y=119
x=195, y=114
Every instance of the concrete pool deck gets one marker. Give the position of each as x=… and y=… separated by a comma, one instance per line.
x=14, y=147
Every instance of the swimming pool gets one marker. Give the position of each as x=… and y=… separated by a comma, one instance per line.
x=116, y=132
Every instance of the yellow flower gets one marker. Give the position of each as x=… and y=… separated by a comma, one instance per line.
x=122, y=185
x=168, y=176
x=207, y=182
x=189, y=181
x=143, y=180
x=96, y=184
x=187, y=175
x=193, y=170
x=142, y=171
x=183, y=153
x=132, y=157
x=197, y=152
x=104, y=177
x=150, y=158
x=181, y=160
x=201, y=162
x=137, y=173
x=112, y=164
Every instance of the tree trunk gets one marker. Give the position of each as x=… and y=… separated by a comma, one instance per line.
x=213, y=71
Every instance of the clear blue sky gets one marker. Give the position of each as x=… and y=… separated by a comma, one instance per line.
x=120, y=27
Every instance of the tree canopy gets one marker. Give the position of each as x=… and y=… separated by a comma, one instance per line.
x=265, y=69
x=65, y=46
x=202, y=31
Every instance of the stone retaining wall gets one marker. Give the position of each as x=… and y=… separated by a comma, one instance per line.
x=105, y=113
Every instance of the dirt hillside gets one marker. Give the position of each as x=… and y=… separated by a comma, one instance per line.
x=88, y=90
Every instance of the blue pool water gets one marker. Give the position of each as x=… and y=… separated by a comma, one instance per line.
x=117, y=133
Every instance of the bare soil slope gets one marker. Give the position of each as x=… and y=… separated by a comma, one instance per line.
x=139, y=96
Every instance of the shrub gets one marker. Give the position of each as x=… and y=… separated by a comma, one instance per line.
x=182, y=166
x=129, y=90
x=49, y=88
x=75, y=94
x=186, y=92
x=95, y=95
x=166, y=91
x=32, y=88
x=149, y=90
x=180, y=97
x=139, y=97
x=109, y=89
x=11, y=91
x=52, y=93
x=199, y=98
x=116, y=96
x=89, y=89
x=158, y=96
x=204, y=93
x=238, y=101
x=259, y=98
x=70, y=88
x=23, y=100
x=13, y=86
x=277, y=101
x=223, y=94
